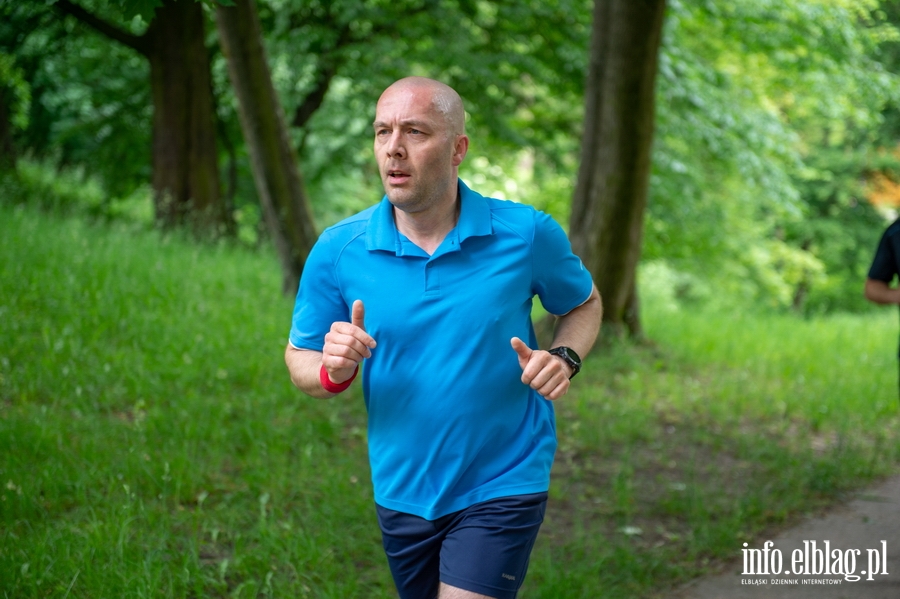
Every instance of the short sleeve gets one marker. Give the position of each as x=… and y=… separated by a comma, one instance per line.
x=560, y=279
x=319, y=300
x=884, y=265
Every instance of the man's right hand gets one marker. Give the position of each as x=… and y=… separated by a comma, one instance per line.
x=346, y=345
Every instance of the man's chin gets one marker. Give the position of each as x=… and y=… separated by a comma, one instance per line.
x=398, y=197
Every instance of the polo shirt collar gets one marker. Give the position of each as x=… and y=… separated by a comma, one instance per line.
x=475, y=215
x=474, y=221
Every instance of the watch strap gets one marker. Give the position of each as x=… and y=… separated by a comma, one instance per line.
x=571, y=358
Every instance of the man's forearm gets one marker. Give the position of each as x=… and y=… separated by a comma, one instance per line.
x=579, y=328
x=881, y=293
x=304, y=366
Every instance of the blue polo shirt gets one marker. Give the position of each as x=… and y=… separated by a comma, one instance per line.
x=450, y=423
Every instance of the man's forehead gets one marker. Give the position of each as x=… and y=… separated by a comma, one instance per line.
x=407, y=109
x=409, y=98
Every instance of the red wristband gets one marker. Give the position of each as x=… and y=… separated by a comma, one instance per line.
x=333, y=387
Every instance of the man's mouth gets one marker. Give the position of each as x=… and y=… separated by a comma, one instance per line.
x=396, y=177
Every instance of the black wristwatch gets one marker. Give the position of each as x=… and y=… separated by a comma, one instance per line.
x=568, y=354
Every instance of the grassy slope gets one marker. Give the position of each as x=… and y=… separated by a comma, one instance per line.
x=152, y=446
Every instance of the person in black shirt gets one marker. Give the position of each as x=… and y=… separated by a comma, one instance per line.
x=885, y=267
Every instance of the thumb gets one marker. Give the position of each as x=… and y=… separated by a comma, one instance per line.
x=358, y=315
x=521, y=348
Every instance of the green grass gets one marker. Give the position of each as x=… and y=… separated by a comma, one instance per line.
x=151, y=444
x=725, y=429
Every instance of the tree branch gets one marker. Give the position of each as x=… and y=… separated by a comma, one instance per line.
x=314, y=99
x=114, y=33
x=328, y=70
x=330, y=60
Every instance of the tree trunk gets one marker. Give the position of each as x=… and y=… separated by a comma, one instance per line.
x=185, y=160
x=606, y=226
x=275, y=170
x=805, y=283
x=632, y=316
x=7, y=150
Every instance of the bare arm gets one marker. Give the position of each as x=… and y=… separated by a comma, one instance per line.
x=346, y=345
x=549, y=374
x=304, y=366
x=579, y=328
x=880, y=292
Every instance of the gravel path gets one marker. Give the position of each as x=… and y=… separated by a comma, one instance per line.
x=870, y=523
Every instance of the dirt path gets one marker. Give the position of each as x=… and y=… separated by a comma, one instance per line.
x=870, y=523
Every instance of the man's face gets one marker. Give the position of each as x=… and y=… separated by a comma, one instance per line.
x=416, y=151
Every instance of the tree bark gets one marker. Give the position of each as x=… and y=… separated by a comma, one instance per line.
x=278, y=181
x=7, y=149
x=606, y=226
x=185, y=160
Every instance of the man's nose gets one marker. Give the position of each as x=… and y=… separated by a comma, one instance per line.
x=395, y=147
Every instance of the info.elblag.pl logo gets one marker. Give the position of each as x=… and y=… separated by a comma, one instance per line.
x=815, y=560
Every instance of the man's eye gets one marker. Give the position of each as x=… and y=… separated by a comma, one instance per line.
x=382, y=132
x=414, y=131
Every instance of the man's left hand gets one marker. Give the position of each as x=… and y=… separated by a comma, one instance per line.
x=542, y=371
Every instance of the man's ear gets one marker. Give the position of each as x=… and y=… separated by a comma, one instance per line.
x=462, y=147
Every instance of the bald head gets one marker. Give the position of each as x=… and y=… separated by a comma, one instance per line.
x=419, y=144
x=443, y=97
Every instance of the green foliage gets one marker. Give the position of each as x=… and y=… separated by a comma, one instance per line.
x=16, y=91
x=518, y=66
x=746, y=150
x=90, y=97
x=838, y=225
x=74, y=192
x=141, y=8
x=744, y=143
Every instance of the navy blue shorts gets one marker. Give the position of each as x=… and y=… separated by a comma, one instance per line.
x=483, y=549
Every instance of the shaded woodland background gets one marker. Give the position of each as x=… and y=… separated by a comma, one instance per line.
x=740, y=152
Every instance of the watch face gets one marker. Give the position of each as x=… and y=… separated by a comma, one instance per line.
x=569, y=356
x=572, y=355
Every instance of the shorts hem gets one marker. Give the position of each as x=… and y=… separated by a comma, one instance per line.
x=481, y=589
